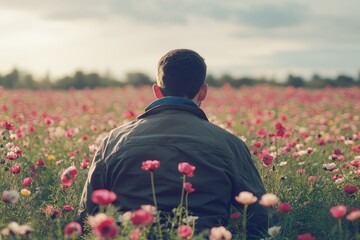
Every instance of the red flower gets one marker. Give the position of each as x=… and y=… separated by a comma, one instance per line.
x=129, y=114
x=261, y=133
x=235, y=215
x=106, y=228
x=150, y=165
x=188, y=187
x=338, y=211
x=72, y=229
x=185, y=231
x=267, y=159
x=186, y=168
x=103, y=197
x=40, y=163
x=350, y=189
x=257, y=144
x=68, y=176
x=27, y=182
x=305, y=236
x=15, y=169
x=68, y=208
x=8, y=125
x=284, y=207
x=84, y=164
x=337, y=151
x=52, y=212
x=141, y=217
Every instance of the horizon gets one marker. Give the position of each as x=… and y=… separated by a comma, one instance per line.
x=257, y=39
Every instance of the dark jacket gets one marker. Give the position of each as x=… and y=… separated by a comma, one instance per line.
x=174, y=130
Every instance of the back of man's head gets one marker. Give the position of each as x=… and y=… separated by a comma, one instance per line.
x=181, y=73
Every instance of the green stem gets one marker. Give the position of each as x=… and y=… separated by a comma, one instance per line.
x=244, y=222
x=340, y=228
x=181, y=200
x=186, y=205
x=155, y=203
x=153, y=189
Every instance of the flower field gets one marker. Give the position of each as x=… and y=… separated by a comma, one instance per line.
x=305, y=144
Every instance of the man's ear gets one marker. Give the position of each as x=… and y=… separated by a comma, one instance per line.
x=157, y=92
x=202, y=92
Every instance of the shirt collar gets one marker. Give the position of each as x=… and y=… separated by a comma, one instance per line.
x=171, y=101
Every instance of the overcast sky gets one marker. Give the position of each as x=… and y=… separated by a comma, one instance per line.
x=252, y=38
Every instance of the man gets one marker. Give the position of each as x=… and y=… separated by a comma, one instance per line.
x=174, y=129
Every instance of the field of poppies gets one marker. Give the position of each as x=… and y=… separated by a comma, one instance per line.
x=305, y=144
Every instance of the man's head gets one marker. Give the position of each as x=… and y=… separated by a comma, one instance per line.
x=181, y=73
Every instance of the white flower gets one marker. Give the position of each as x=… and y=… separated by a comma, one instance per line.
x=274, y=231
x=283, y=163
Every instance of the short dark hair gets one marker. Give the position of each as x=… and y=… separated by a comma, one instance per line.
x=181, y=73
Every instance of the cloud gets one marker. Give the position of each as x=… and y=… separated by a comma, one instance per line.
x=273, y=16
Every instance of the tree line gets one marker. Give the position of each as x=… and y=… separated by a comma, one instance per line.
x=79, y=80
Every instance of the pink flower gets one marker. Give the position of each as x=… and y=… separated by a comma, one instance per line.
x=72, y=229
x=268, y=200
x=185, y=231
x=186, y=169
x=350, y=189
x=27, y=182
x=338, y=211
x=305, y=236
x=15, y=169
x=10, y=196
x=68, y=176
x=135, y=234
x=246, y=198
x=52, y=212
x=188, y=187
x=8, y=125
x=129, y=114
x=12, y=155
x=141, y=217
x=40, y=163
x=219, y=233
x=150, y=165
x=48, y=121
x=284, y=207
x=353, y=215
x=103, y=197
x=106, y=228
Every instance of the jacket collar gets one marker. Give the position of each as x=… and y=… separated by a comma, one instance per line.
x=173, y=103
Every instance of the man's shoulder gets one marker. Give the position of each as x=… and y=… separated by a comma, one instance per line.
x=220, y=131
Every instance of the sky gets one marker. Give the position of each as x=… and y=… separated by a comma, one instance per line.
x=258, y=38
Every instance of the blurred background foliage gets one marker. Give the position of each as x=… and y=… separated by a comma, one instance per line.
x=16, y=79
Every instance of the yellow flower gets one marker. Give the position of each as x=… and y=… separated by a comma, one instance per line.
x=25, y=192
x=246, y=198
x=51, y=158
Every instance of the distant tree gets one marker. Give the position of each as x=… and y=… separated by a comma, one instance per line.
x=295, y=81
x=226, y=78
x=212, y=81
x=138, y=79
x=248, y=81
x=12, y=79
x=344, y=81
x=28, y=82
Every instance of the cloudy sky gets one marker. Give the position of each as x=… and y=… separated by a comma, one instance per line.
x=252, y=38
